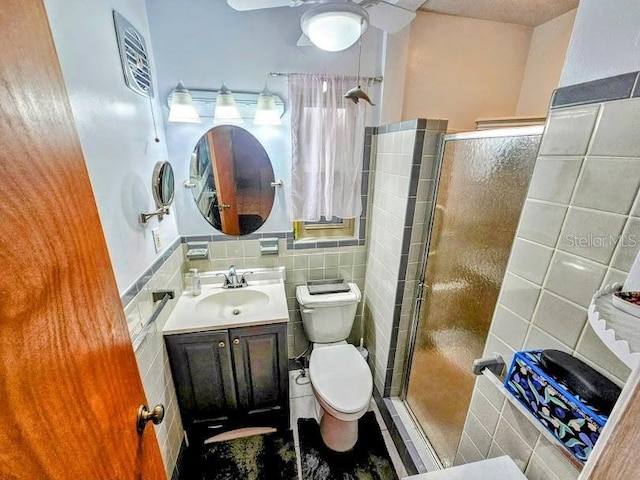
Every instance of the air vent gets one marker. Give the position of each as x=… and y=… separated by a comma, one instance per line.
x=134, y=57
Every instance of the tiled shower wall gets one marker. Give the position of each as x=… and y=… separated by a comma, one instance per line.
x=151, y=354
x=404, y=168
x=579, y=230
x=346, y=262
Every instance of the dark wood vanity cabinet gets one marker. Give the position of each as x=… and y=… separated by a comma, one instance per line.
x=228, y=379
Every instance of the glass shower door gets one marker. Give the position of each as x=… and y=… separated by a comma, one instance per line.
x=483, y=183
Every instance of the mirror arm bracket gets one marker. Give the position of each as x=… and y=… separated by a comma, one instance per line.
x=160, y=213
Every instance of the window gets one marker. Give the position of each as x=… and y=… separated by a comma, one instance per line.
x=331, y=228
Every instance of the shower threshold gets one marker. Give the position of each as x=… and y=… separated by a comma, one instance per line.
x=416, y=445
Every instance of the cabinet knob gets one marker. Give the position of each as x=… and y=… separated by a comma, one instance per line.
x=236, y=341
x=221, y=345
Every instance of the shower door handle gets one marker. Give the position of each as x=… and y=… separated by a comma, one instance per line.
x=308, y=310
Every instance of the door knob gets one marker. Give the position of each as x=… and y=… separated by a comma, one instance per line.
x=221, y=345
x=236, y=341
x=224, y=206
x=155, y=415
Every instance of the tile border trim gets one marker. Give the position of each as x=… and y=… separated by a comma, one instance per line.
x=618, y=87
x=407, y=452
x=143, y=279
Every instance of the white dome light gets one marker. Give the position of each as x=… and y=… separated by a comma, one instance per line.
x=334, y=26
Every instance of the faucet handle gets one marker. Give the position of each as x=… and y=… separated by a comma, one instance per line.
x=244, y=280
x=226, y=279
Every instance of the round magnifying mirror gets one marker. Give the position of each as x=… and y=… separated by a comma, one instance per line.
x=232, y=174
x=163, y=184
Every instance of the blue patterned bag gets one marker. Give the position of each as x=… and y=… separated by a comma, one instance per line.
x=574, y=423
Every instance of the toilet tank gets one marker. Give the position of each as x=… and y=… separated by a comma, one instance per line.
x=328, y=318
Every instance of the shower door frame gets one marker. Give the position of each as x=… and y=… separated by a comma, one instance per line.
x=419, y=291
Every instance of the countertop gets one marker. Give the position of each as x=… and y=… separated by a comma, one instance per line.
x=500, y=468
x=188, y=316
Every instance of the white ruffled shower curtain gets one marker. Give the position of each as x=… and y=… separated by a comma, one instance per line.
x=327, y=133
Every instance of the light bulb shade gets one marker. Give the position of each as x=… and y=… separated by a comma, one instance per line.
x=226, y=110
x=266, y=110
x=334, y=26
x=181, y=108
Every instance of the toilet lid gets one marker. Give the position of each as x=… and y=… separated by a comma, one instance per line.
x=341, y=377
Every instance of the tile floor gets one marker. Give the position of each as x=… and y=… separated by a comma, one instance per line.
x=303, y=405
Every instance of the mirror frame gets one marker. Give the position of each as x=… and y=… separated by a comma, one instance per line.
x=234, y=224
x=160, y=171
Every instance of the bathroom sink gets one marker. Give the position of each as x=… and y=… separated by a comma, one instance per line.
x=263, y=301
x=231, y=303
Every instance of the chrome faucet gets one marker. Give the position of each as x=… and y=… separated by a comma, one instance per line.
x=231, y=279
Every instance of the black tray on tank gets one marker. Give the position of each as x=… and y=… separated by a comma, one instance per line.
x=321, y=287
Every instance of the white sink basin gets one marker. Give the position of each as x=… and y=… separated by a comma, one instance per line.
x=262, y=302
x=231, y=303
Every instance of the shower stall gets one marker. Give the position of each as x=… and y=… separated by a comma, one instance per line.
x=483, y=181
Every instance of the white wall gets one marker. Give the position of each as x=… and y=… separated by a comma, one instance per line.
x=204, y=42
x=463, y=68
x=395, y=56
x=605, y=41
x=115, y=128
x=547, y=53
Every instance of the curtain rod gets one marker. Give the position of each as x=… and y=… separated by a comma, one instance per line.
x=282, y=74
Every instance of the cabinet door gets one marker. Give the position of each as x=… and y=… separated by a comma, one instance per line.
x=203, y=375
x=260, y=362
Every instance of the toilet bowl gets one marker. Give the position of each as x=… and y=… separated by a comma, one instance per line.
x=342, y=384
x=340, y=377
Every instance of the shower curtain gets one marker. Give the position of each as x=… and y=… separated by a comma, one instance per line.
x=327, y=136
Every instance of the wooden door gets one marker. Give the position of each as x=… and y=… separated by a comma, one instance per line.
x=221, y=149
x=70, y=387
x=202, y=372
x=260, y=363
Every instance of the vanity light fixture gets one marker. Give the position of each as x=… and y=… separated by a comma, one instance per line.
x=226, y=110
x=266, y=111
x=334, y=26
x=181, y=108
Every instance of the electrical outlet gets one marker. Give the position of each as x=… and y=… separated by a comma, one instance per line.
x=157, y=242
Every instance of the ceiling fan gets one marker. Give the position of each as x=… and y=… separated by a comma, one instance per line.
x=335, y=25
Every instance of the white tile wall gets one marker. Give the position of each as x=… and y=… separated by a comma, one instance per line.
x=580, y=229
x=388, y=228
x=152, y=358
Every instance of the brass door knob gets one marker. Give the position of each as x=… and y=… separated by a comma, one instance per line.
x=236, y=341
x=155, y=415
x=224, y=206
x=221, y=345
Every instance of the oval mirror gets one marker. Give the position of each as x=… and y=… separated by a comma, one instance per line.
x=232, y=175
x=163, y=184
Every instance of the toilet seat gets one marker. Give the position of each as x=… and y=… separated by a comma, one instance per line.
x=341, y=378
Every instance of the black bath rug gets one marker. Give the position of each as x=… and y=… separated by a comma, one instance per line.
x=368, y=460
x=260, y=457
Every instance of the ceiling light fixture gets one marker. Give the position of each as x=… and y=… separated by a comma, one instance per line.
x=334, y=25
x=266, y=111
x=181, y=108
x=226, y=110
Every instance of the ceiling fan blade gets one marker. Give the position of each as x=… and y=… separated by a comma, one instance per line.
x=243, y=5
x=388, y=17
x=304, y=41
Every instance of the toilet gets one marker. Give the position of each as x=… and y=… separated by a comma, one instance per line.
x=340, y=377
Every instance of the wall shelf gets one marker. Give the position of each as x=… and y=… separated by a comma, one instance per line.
x=496, y=382
x=619, y=330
